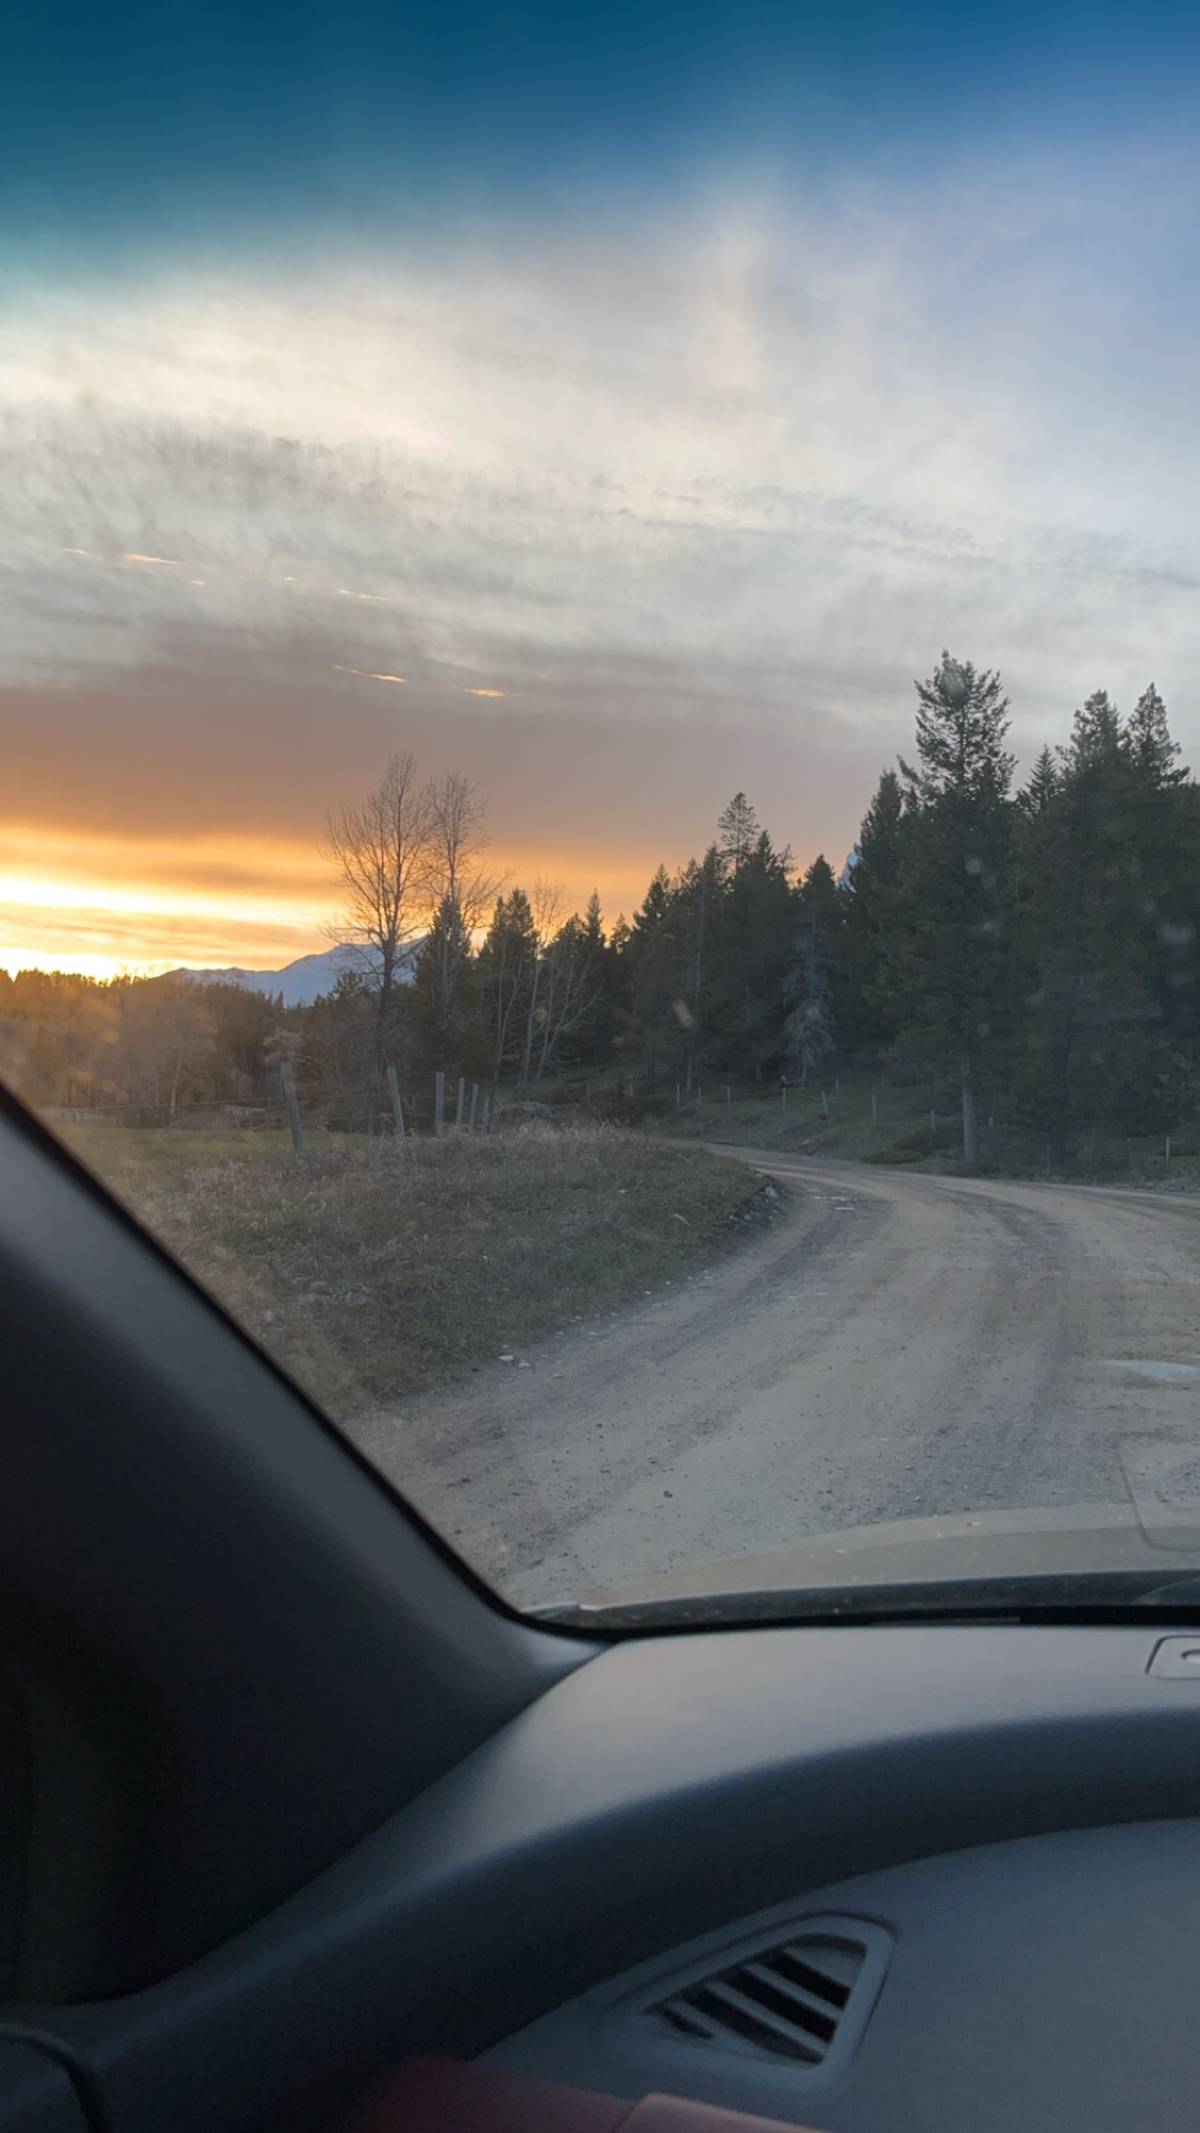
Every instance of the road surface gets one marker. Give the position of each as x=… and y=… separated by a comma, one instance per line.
x=896, y=1346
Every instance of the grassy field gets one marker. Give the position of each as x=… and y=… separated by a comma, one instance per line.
x=862, y=1117
x=856, y=1115
x=371, y=1269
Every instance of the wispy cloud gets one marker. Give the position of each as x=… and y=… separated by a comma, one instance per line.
x=365, y=674
x=731, y=478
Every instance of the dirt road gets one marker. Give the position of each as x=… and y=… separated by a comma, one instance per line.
x=897, y=1346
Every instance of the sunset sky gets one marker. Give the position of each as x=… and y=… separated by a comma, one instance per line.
x=619, y=404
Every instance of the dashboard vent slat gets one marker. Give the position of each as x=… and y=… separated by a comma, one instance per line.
x=774, y=1990
x=826, y=1982
x=757, y=2024
x=790, y=2001
x=685, y=2018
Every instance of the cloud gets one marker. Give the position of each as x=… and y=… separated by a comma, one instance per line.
x=701, y=496
x=365, y=674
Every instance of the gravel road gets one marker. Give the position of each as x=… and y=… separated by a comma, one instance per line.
x=896, y=1346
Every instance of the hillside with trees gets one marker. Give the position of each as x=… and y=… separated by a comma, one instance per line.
x=1028, y=950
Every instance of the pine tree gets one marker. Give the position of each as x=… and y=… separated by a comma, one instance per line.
x=1096, y=1042
x=697, y=896
x=1043, y=786
x=595, y=1040
x=1151, y=750
x=956, y=967
x=443, y=1027
x=813, y=982
x=656, y=973
x=1159, y=803
x=339, y=1062
x=1097, y=739
x=750, y=953
x=873, y=1008
x=506, y=975
x=737, y=833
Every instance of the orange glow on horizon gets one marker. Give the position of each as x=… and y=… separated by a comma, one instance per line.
x=109, y=905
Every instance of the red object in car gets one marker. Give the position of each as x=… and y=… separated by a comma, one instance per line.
x=445, y=2096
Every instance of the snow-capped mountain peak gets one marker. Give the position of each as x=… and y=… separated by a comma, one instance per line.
x=299, y=983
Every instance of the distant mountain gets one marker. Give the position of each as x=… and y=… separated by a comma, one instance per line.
x=300, y=982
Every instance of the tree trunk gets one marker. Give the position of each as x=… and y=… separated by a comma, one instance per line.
x=970, y=1120
x=383, y=1015
x=530, y=1024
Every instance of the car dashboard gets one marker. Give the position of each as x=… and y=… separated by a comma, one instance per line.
x=1041, y=1982
x=979, y=1843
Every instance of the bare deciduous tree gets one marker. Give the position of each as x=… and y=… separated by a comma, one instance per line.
x=570, y=989
x=381, y=850
x=458, y=840
x=457, y=880
x=561, y=986
x=546, y=905
x=164, y=1031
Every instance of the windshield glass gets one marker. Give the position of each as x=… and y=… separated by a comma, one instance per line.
x=598, y=675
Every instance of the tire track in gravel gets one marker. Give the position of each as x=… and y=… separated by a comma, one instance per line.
x=896, y=1346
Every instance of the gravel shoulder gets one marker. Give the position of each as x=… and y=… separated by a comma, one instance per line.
x=894, y=1346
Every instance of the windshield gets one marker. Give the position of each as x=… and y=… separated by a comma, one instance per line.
x=599, y=668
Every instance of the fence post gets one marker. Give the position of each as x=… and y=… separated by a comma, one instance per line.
x=678, y=1096
x=458, y=1108
x=287, y=1076
x=439, y=1103
x=825, y=1102
x=474, y=1105
x=874, y=1109
x=397, y=1106
x=783, y=1095
x=1168, y=1150
x=728, y=1097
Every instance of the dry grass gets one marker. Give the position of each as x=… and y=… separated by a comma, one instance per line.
x=866, y=1120
x=371, y=1269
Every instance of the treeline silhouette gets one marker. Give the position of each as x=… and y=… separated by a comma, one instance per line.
x=1032, y=949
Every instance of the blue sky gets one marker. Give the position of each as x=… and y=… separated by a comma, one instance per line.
x=560, y=389
x=129, y=117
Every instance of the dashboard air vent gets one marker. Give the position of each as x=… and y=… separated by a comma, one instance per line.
x=790, y=2001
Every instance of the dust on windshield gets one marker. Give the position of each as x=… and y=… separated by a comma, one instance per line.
x=597, y=687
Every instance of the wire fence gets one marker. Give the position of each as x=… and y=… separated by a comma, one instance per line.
x=863, y=1114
